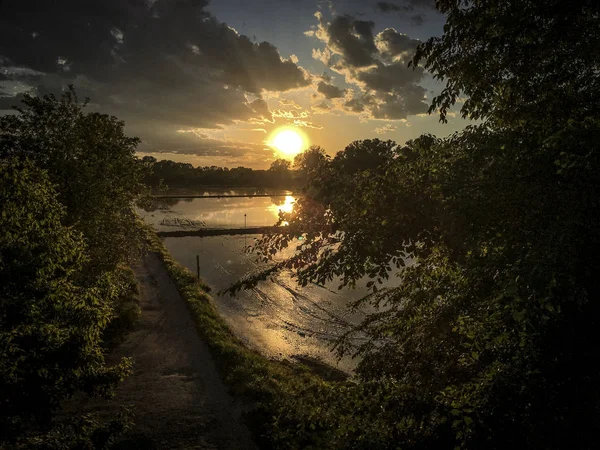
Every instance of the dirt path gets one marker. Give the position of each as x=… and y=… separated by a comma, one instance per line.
x=178, y=398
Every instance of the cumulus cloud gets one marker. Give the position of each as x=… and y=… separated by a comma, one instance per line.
x=307, y=124
x=108, y=39
x=385, y=129
x=290, y=103
x=376, y=63
x=352, y=39
x=399, y=103
x=395, y=46
x=260, y=107
x=322, y=107
x=290, y=114
x=329, y=90
x=387, y=77
x=168, y=63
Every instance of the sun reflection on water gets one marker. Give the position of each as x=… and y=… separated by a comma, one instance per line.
x=287, y=206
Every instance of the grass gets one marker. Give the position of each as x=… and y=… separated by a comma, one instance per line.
x=260, y=383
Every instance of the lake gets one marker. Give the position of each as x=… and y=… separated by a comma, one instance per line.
x=278, y=317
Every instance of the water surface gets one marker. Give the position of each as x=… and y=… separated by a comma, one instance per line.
x=278, y=317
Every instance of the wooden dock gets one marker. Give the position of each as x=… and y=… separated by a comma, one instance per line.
x=216, y=232
x=221, y=196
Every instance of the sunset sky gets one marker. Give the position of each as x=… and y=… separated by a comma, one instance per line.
x=212, y=83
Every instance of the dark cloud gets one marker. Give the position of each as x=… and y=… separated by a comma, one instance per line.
x=385, y=78
x=394, y=45
x=357, y=105
x=399, y=104
x=387, y=7
x=394, y=105
x=166, y=62
x=111, y=40
x=352, y=39
x=386, y=87
x=260, y=107
x=404, y=5
x=329, y=90
x=392, y=92
x=323, y=106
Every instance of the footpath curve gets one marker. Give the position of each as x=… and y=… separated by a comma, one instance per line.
x=178, y=399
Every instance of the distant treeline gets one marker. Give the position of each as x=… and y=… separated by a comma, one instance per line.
x=166, y=173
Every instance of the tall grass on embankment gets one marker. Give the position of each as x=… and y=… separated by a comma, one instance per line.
x=264, y=386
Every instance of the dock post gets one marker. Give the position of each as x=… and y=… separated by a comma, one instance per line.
x=198, y=267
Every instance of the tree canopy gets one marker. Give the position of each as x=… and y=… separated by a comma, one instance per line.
x=92, y=164
x=69, y=180
x=485, y=240
x=50, y=326
x=517, y=60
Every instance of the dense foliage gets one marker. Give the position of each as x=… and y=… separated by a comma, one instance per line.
x=67, y=189
x=517, y=62
x=93, y=165
x=50, y=326
x=480, y=248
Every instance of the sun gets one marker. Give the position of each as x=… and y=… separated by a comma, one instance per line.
x=288, y=141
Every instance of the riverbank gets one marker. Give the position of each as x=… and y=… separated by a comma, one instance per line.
x=278, y=317
x=262, y=385
x=175, y=392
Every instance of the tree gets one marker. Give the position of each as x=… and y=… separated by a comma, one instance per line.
x=280, y=165
x=310, y=159
x=149, y=161
x=280, y=172
x=185, y=175
x=50, y=327
x=308, y=163
x=511, y=59
x=484, y=340
x=93, y=165
x=363, y=155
